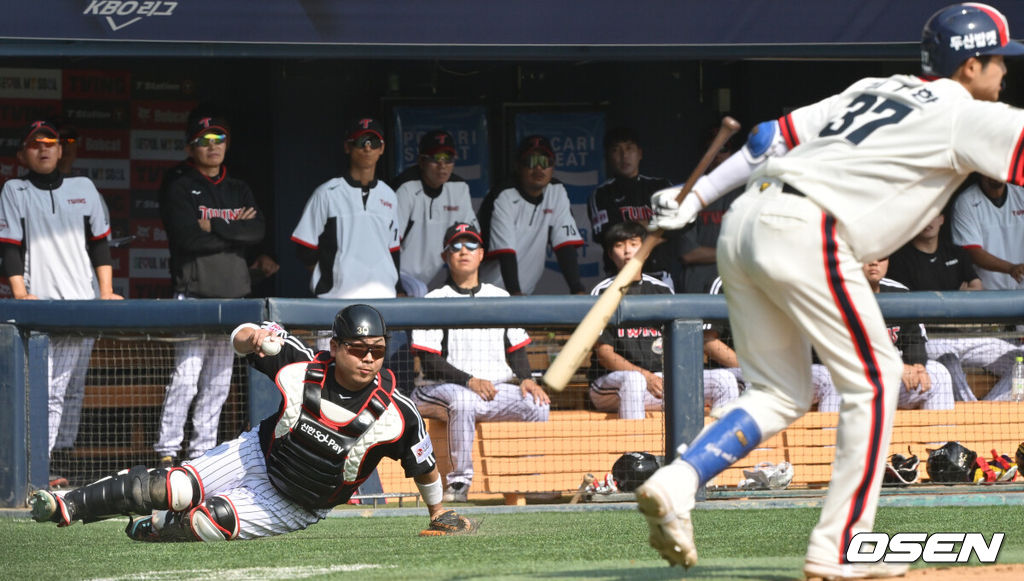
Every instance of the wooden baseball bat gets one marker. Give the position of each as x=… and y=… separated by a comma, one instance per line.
x=582, y=339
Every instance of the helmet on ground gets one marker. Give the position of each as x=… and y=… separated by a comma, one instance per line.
x=951, y=463
x=632, y=469
x=958, y=32
x=359, y=321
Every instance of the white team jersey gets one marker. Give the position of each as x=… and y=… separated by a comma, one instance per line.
x=422, y=221
x=57, y=263
x=979, y=223
x=526, y=228
x=365, y=237
x=875, y=154
x=478, y=352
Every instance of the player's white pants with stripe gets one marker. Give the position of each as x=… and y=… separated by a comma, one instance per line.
x=989, y=353
x=67, y=365
x=462, y=408
x=626, y=392
x=237, y=471
x=938, y=397
x=791, y=283
x=202, y=372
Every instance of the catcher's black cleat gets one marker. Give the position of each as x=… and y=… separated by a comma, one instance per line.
x=141, y=529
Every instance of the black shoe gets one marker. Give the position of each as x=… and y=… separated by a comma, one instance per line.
x=141, y=529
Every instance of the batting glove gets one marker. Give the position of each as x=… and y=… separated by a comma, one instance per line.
x=672, y=215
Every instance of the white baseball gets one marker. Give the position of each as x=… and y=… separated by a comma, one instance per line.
x=271, y=345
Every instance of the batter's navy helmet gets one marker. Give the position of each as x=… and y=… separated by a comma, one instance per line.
x=359, y=321
x=632, y=469
x=958, y=32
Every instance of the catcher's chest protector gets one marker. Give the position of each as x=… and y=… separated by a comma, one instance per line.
x=316, y=463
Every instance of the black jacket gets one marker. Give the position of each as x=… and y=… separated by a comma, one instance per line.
x=208, y=264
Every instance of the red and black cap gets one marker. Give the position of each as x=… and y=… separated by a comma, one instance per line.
x=460, y=230
x=534, y=144
x=39, y=127
x=437, y=141
x=363, y=126
x=203, y=125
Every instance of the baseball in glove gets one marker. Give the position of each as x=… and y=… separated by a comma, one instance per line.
x=449, y=522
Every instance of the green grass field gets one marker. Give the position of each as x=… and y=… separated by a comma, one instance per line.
x=734, y=544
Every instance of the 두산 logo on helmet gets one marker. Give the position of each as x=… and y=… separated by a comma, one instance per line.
x=975, y=40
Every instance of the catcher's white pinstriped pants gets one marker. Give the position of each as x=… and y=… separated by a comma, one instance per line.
x=202, y=372
x=792, y=282
x=236, y=470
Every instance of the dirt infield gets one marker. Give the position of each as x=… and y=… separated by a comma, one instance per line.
x=989, y=573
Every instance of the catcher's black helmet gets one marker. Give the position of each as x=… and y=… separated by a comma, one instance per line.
x=632, y=469
x=951, y=463
x=359, y=321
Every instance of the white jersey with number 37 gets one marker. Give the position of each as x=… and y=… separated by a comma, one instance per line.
x=874, y=155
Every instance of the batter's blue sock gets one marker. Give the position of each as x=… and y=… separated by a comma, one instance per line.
x=730, y=438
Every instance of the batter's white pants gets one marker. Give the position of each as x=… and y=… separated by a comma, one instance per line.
x=939, y=397
x=626, y=392
x=791, y=282
x=67, y=365
x=461, y=409
x=236, y=470
x=989, y=353
x=201, y=380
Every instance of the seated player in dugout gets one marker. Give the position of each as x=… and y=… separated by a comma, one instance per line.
x=520, y=220
x=340, y=415
x=926, y=384
x=472, y=374
x=627, y=363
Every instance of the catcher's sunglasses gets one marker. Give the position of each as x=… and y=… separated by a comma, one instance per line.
x=359, y=351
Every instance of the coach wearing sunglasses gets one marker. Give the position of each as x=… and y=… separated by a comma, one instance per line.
x=348, y=233
x=520, y=221
x=212, y=221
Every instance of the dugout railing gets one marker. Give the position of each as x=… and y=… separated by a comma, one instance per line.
x=136, y=339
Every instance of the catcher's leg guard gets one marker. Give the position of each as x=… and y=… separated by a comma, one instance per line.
x=214, y=520
x=134, y=491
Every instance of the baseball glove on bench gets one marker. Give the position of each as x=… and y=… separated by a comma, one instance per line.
x=449, y=522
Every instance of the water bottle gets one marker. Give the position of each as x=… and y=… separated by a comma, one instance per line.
x=1017, y=382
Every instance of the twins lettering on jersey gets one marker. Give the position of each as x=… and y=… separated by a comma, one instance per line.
x=636, y=213
x=894, y=333
x=74, y=201
x=225, y=214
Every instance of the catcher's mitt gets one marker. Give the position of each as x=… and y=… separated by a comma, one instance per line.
x=449, y=522
x=901, y=470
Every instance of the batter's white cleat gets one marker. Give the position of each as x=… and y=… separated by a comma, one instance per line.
x=665, y=500
x=834, y=571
